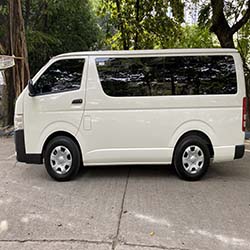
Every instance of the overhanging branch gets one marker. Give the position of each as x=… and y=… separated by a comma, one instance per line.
x=243, y=20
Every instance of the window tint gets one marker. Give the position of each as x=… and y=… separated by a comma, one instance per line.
x=61, y=76
x=156, y=76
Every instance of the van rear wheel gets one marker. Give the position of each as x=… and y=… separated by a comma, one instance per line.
x=192, y=158
x=62, y=158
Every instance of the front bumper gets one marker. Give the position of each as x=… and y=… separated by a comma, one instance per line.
x=21, y=152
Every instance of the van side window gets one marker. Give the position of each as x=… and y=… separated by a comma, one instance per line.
x=63, y=75
x=157, y=76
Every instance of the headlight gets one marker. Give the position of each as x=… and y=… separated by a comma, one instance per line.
x=18, y=122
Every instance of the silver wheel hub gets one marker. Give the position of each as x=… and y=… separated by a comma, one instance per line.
x=193, y=159
x=61, y=159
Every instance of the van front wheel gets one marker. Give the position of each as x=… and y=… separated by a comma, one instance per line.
x=192, y=158
x=62, y=158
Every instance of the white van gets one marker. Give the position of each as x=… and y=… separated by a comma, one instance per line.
x=184, y=107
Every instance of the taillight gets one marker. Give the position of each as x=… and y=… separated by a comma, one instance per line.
x=244, y=114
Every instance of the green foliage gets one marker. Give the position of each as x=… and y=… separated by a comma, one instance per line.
x=41, y=47
x=139, y=24
x=3, y=23
x=243, y=44
x=55, y=27
x=195, y=37
x=157, y=24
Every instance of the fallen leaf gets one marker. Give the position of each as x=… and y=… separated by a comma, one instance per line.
x=152, y=233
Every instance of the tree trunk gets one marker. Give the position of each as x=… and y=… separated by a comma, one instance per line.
x=22, y=74
x=225, y=37
x=220, y=25
x=16, y=77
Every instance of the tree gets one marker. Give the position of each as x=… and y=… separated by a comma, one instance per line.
x=193, y=36
x=55, y=27
x=225, y=18
x=14, y=43
x=243, y=45
x=138, y=24
x=220, y=24
x=18, y=46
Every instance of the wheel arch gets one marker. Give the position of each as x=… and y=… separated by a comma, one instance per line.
x=199, y=133
x=61, y=133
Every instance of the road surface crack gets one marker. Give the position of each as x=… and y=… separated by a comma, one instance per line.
x=116, y=238
x=155, y=246
x=57, y=240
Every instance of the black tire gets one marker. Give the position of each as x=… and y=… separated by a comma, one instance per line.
x=182, y=161
x=68, y=149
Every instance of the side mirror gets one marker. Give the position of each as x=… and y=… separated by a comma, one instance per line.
x=31, y=87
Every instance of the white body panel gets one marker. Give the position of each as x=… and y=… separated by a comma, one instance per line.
x=133, y=130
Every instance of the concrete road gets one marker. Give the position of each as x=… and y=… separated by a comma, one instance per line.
x=123, y=208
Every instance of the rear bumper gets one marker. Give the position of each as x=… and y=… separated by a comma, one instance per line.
x=228, y=153
x=21, y=152
x=239, y=151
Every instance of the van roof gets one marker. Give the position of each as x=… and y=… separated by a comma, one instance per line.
x=148, y=52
